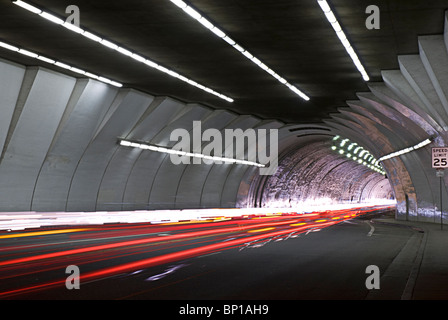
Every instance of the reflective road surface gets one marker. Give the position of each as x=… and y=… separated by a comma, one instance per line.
x=144, y=260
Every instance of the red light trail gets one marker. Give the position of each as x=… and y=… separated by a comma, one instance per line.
x=183, y=240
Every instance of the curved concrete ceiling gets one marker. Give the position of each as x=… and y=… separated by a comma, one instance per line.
x=292, y=37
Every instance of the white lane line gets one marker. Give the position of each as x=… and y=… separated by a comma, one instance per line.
x=372, y=229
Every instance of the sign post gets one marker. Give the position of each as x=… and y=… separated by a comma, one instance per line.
x=440, y=162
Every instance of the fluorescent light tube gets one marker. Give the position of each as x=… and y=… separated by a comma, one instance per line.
x=229, y=40
x=239, y=48
x=116, y=84
x=145, y=146
x=125, y=143
x=8, y=46
x=137, y=57
x=27, y=6
x=342, y=37
x=124, y=51
x=62, y=65
x=73, y=28
x=51, y=17
x=91, y=75
x=77, y=70
x=91, y=36
x=336, y=26
x=405, y=150
x=206, y=23
x=324, y=5
x=58, y=64
x=103, y=79
x=330, y=17
x=152, y=64
x=256, y=61
x=108, y=44
x=47, y=60
x=192, y=13
x=218, y=32
x=248, y=55
x=179, y=3
x=28, y=53
x=282, y=80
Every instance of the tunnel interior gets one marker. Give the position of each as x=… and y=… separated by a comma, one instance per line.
x=60, y=145
x=311, y=173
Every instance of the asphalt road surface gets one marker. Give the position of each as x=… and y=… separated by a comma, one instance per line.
x=278, y=257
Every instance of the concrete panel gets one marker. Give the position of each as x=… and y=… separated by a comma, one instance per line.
x=164, y=187
x=162, y=111
x=414, y=71
x=91, y=101
x=127, y=108
x=11, y=78
x=385, y=94
x=434, y=56
x=400, y=86
x=190, y=190
x=138, y=186
x=31, y=138
x=115, y=181
x=215, y=183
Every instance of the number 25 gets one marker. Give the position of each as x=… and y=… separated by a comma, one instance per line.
x=440, y=162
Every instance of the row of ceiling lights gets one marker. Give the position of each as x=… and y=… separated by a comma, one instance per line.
x=58, y=64
x=113, y=46
x=355, y=152
x=221, y=34
x=203, y=21
x=405, y=150
x=208, y=159
x=342, y=37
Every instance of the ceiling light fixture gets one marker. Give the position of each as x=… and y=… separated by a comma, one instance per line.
x=146, y=146
x=345, y=146
x=221, y=34
x=118, y=48
x=342, y=37
x=58, y=63
x=406, y=150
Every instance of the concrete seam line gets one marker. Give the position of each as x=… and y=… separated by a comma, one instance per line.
x=410, y=284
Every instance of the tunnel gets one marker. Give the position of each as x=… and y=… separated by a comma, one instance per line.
x=60, y=153
x=172, y=107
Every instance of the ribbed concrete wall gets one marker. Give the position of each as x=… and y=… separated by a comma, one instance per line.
x=59, y=150
x=59, y=144
x=60, y=153
x=409, y=106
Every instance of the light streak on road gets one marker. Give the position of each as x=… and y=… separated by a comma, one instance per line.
x=111, y=250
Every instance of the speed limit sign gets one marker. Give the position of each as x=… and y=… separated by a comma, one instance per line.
x=440, y=157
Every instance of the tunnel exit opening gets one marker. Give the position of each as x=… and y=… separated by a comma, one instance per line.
x=314, y=175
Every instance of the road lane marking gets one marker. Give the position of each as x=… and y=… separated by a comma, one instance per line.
x=40, y=233
x=261, y=230
x=372, y=229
